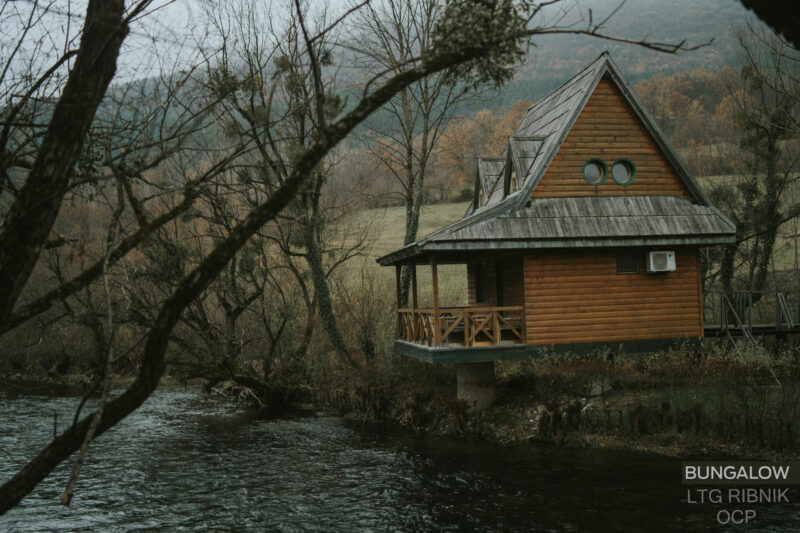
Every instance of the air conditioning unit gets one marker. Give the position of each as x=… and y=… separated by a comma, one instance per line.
x=661, y=261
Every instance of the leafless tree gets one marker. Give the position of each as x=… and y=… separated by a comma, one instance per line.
x=393, y=34
x=476, y=39
x=766, y=102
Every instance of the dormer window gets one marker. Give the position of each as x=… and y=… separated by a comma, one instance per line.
x=487, y=181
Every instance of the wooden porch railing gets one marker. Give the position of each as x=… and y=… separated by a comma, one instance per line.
x=463, y=326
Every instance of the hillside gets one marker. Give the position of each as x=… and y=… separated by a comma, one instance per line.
x=560, y=56
x=552, y=59
x=388, y=224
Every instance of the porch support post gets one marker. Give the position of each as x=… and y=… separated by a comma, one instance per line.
x=399, y=316
x=437, y=330
x=414, y=303
x=524, y=326
x=476, y=384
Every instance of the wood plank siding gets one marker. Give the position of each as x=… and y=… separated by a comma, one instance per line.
x=578, y=297
x=512, y=281
x=607, y=128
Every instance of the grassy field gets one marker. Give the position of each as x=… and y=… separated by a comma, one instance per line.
x=388, y=224
x=386, y=227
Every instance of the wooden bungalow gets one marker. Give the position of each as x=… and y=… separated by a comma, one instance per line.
x=584, y=233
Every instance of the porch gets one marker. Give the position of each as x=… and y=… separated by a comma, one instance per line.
x=492, y=318
x=463, y=326
x=480, y=314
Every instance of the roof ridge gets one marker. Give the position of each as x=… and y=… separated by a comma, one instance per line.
x=577, y=75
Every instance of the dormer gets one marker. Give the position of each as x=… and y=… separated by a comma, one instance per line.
x=520, y=155
x=489, y=169
x=510, y=177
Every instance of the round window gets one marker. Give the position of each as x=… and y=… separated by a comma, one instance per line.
x=595, y=171
x=623, y=171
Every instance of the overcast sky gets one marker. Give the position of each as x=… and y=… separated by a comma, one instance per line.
x=174, y=32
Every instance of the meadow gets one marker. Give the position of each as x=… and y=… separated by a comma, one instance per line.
x=386, y=229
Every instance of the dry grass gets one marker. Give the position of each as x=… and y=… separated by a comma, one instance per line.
x=388, y=224
x=386, y=229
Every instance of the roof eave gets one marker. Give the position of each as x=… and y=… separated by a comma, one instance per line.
x=400, y=255
x=414, y=250
x=587, y=242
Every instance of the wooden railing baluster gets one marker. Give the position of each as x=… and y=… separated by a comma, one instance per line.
x=480, y=325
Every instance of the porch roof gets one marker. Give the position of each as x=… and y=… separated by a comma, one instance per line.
x=548, y=223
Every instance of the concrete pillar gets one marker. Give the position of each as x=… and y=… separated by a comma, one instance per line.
x=476, y=384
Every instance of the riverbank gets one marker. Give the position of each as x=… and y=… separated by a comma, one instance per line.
x=742, y=404
x=710, y=404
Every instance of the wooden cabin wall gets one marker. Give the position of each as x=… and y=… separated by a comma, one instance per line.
x=472, y=283
x=512, y=282
x=578, y=297
x=609, y=129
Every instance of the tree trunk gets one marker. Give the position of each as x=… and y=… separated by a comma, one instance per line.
x=322, y=293
x=31, y=217
x=771, y=211
x=726, y=268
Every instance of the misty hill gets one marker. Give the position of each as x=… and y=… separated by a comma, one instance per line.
x=555, y=58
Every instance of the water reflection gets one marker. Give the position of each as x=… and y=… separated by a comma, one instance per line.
x=186, y=462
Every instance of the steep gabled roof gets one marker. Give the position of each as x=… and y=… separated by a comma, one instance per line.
x=532, y=148
x=549, y=120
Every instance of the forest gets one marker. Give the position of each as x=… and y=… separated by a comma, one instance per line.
x=214, y=218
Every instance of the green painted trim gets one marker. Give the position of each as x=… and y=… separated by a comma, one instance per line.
x=632, y=171
x=483, y=354
x=602, y=164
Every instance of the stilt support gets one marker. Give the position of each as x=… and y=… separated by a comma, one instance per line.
x=476, y=384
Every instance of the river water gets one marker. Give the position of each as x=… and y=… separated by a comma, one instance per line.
x=189, y=462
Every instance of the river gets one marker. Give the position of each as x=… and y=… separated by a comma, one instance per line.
x=189, y=462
